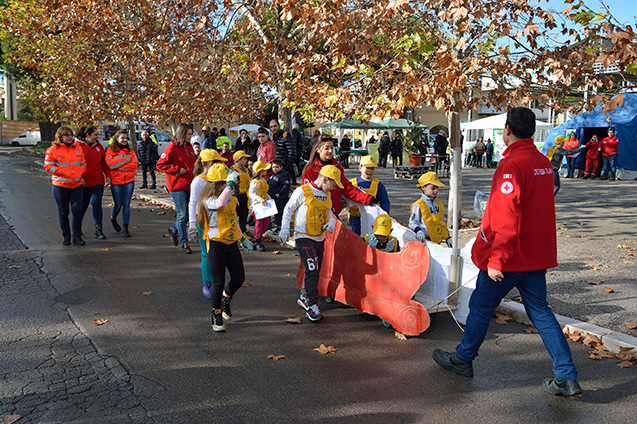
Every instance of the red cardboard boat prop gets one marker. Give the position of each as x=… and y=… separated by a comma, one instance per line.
x=375, y=282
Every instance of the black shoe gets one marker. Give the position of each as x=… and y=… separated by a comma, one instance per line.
x=185, y=248
x=116, y=225
x=556, y=387
x=250, y=220
x=153, y=186
x=66, y=241
x=258, y=245
x=125, y=233
x=225, y=307
x=450, y=362
x=216, y=319
x=144, y=186
x=174, y=236
x=313, y=313
x=79, y=241
x=98, y=232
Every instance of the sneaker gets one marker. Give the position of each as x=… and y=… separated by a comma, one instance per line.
x=225, y=307
x=174, y=236
x=313, y=313
x=302, y=302
x=450, y=362
x=206, y=290
x=217, y=320
x=185, y=248
x=556, y=387
x=79, y=241
x=259, y=246
x=153, y=186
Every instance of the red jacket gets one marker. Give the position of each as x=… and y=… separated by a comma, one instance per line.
x=65, y=164
x=593, y=149
x=228, y=156
x=609, y=146
x=348, y=191
x=123, y=164
x=172, y=160
x=518, y=228
x=96, y=167
x=267, y=153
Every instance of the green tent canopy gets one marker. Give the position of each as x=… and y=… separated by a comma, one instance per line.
x=349, y=124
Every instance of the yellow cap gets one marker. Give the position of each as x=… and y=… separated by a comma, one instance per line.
x=239, y=154
x=559, y=139
x=260, y=166
x=332, y=172
x=369, y=162
x=382, y=225
x=429, y=178
x=217, y=172
x=209, y=155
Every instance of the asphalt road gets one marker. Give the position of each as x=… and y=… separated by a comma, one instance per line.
x=163, y=363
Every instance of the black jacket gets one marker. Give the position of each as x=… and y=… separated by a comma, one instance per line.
x=440, y=145
x=147, y=152
x=384, y=144
x=285, y=148
x=279, y=183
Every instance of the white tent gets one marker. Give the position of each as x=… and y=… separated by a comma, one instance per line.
x=497, y=122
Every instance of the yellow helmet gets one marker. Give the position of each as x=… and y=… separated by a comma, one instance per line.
x=382, y=225
x=217, y=172
x=260, y=166
x=208, y=155
x=332, y=172
x=559, y=139
x=239, y=154
x=429, y=178
x=368, y=162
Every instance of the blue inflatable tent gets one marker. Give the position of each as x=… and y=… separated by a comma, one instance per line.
x=623, y=120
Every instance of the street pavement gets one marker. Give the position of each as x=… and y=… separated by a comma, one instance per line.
x=157, y=360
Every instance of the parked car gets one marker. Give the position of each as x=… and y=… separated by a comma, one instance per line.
x=163, y=140
x=27, y=138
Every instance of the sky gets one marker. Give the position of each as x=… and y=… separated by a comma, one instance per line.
x=624, y=10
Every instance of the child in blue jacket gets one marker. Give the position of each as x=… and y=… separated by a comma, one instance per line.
x=279, y=190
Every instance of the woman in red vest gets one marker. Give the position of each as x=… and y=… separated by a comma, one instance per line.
x=571, y=144
x=64, y=160
x=178, y=162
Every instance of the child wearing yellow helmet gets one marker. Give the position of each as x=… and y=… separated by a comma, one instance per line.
x=218, y=218
x=380, y=238
x=427, y=217
x=369, y=185
x=258, y=193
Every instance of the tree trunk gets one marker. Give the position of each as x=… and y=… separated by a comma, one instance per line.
x=132, y=136
x=285, y=113
x=48, y=129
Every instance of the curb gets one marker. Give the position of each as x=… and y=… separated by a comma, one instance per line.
x=153, y=199
x=611, y=339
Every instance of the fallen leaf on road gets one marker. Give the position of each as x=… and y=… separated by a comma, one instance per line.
x=581, y=223
x=134, y=226
x=324, y=350
x=628, y=262
x=594, y=268
x=246, y=284
x=296, y=320
x=609, y=289
x=288, y=275
x=623, y=349
x=9, y=419
x=148, y=293
x=276, y=252
x=604, y=251
x=106, y=249
x=399, y=336
x=594, y=282
x=562, y=228
x=592, y=340
x=593, y=355
x=574, y=336
x=295, y=254
x=161, y=213
x=13, y=267
x=46, y=217
x=625, y=364
x=100, y=321
x=603, y=352
x=623, y=246
x=502, y=319
x=276, y=357
x=557, y=274
x=631, y=325
x=531, y=330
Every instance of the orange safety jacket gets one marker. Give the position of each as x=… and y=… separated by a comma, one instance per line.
x=571, y=144
x=123, y=164
x=66, y=164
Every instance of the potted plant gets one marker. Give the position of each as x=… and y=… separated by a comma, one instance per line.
x=414, y=146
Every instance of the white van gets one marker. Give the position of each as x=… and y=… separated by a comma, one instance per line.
x=27, y=138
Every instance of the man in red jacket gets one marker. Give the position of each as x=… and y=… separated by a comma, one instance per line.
x=514, y=247
x=610, y=146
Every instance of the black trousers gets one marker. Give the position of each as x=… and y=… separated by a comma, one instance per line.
x=223, y=256
x=242, y=211
x=312, y=256
x=382, y=159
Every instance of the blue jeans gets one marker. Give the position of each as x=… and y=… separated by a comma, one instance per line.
x=609, y=165
x=148, y=168
x=206, y=274
x=122, y=194
x=63, y=197
x=532, y=288
x=570, y=165
x=181, y=199
x=93, y=196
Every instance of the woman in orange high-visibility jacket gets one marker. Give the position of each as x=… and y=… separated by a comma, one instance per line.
x=122, y=161
x=64, y=160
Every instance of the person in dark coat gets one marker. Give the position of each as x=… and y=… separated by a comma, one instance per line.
x=396, y=147
x=147, y=155
x=384, y=147
x=209, y=139
x=480, y=148
x=344, y=149
x=279, y=190
x=489, y=152
x=285, y=146
x=440, y=148
x=243, y=141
